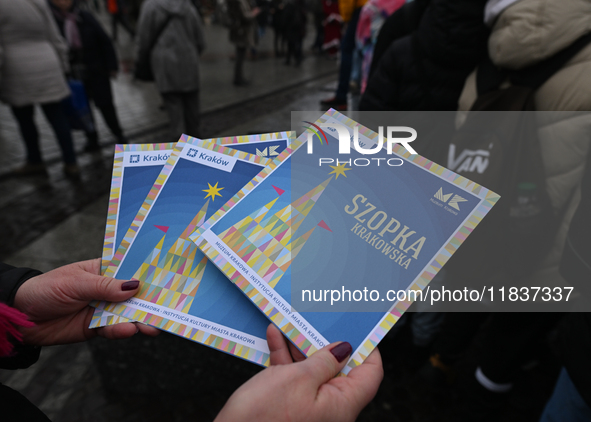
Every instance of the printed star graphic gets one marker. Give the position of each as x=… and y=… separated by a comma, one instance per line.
x=339, y=170
x=213, y=191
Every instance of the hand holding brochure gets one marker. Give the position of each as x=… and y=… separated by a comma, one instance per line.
x=135, y=170
x=181, y=292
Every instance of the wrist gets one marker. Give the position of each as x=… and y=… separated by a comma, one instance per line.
x=11, y=280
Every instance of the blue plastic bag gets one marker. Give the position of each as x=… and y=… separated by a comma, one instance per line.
x=77, y=107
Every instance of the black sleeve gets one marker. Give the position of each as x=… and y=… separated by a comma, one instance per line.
x=399, y=24
x=16, y=407
x=575, y=266
x=11, y=279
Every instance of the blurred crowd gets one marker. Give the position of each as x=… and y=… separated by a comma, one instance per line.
x=495, y=55
x=393, y=55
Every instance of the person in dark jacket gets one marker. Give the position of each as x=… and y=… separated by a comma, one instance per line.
x=118, y=9
x=295, y=29
x=400, y=23
x=426, y=69
x=58, y=304
x=571, y=399
x=242, y=35
x=277, y=11
x=92, y=60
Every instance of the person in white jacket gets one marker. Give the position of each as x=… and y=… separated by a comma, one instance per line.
x=525, y=33
x=33, y=63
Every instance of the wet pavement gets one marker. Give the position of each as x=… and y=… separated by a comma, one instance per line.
x=48, y=222
x=31, y=206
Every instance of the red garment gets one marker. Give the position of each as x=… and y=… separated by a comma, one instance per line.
x=112, y=7
x=332, y=26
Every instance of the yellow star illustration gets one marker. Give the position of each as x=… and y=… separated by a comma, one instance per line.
x=339, y=169
x=213, y=191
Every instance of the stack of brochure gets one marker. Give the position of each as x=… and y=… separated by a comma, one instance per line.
x=227, y=235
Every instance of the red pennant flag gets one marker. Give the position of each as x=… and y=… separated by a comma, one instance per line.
x=324, y=226
x=163, y=228
x=279, y=191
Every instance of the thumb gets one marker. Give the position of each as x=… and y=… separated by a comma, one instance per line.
x=96, y=287
x=327, y=362
x=86, y=283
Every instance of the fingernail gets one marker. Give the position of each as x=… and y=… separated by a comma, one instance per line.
x=341, y=351
x=130, y=285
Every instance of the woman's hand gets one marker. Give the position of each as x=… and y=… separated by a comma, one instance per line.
x=294, y=388
x=57, y=302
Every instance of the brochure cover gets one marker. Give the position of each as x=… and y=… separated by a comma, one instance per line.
x=332, y=244
x=135, y=169
x=181, y=292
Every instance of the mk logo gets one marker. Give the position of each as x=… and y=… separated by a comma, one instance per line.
x=272, y=151
x=453, y=202
x=135, y=158
x=192, y=152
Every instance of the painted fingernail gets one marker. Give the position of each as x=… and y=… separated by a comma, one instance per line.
x=341, y=351
x=130, y=285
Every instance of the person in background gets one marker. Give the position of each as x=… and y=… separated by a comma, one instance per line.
x=571, y=399
x=277, y=13
x=372, y=17
x=332, y=25
x=119, y=15
x=242, y=35
x=564, y=152
x=423, y=55
x=175, y=58
x=53, y=308
x=315, y=7
x=349, y=11
x=295, y=30
x=262, y=17
x=512, y=338
x=92, y=60
x=33, y=61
